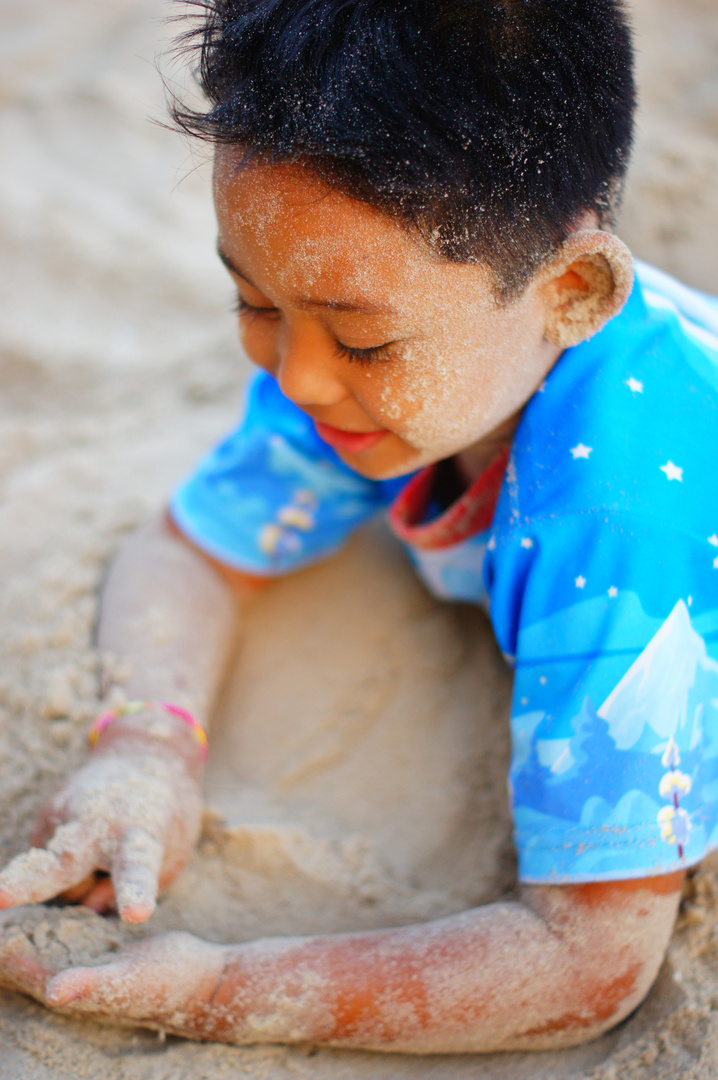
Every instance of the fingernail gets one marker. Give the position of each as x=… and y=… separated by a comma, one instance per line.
x=136, y=913
x=55, y=995
x=6, y=900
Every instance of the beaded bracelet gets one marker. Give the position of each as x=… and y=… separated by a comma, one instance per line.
x=131, y=707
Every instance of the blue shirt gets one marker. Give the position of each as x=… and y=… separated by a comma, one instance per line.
x=599, y=568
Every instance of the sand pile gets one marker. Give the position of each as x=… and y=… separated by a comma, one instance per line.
x=357, y=772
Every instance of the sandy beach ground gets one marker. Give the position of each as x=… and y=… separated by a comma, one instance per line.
x=357, y=775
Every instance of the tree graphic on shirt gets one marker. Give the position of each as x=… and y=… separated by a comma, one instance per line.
x=674, y=821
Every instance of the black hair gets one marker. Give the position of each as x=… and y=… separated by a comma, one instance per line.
x=490, y=126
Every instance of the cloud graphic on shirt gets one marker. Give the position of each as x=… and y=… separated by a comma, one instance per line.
x=611, y=840
x=635, y=806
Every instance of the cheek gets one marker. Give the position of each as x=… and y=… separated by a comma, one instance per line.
x=439, y=402
x=444, y=395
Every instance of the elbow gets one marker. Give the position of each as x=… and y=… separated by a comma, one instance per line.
x=596, y=998
x=610, y=938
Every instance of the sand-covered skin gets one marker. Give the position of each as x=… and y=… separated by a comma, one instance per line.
x=364, y=784
x=61, y=935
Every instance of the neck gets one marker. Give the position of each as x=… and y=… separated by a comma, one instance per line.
x=476, y=458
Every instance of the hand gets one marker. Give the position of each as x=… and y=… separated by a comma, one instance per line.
x=169, y=982
x=37, y=942
x=134, y=810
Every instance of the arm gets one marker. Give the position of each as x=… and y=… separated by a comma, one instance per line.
x=557, y=967
x=169, y=615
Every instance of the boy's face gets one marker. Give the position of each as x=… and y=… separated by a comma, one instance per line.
x=400, y=357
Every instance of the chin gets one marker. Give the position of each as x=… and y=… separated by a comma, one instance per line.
x=387, y=467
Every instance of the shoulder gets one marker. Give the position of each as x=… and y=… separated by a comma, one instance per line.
x=608, y=511
x=625, y=422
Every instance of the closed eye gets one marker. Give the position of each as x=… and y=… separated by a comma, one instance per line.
x=253, y=311
x=361, y=356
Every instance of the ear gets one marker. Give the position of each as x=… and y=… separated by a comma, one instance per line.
x=585, y=285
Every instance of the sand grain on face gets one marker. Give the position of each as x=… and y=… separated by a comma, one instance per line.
x=452, y=364
x=363, y=786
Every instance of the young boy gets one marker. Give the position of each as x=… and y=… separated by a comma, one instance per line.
x=413, y=202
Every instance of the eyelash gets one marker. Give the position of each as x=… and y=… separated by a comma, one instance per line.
x=241, y=307
x=365, y=357
x=355, y=356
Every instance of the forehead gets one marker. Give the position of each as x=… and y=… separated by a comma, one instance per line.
x=284, y=222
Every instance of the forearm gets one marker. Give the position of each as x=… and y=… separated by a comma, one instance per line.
x=169, y=620
x=169, y=617
x=505, y=976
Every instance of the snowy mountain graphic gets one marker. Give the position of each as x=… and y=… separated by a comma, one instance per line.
x=609, y=799
x=665, y=691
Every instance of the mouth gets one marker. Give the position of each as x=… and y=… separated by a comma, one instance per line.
x=351, y=442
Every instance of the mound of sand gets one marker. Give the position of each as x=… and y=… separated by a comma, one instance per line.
x=357, y=772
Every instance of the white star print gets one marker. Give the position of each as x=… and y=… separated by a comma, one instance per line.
x=527, y=542
x=492, y=543
x=581, y=451
x=580, y=581
x=524, y=701
x=673, y=472
x=690, y=601
x=715, y=563
x=713, y=540
x=542, y=680
x=635, y=385
x=613, y=591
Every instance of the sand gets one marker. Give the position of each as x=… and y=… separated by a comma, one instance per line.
x=357, y=772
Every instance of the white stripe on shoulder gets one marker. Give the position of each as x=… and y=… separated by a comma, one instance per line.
x=698, y=316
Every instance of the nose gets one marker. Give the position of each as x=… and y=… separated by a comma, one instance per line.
x=307, y=370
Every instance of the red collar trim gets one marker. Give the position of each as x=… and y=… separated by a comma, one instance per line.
x=472, y=513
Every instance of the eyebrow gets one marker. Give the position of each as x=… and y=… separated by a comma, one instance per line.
x=332, y=303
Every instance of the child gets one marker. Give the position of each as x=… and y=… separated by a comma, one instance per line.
x=413, y=202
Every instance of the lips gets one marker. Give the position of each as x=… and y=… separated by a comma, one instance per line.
x=351, y=442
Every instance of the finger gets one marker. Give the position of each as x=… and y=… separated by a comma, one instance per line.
x=78, y=892
x=78, y=983
x=168, y=980
x=131, y=984
x=121, y=988
x=101, y=897
x=42, y=873
x=135, y=875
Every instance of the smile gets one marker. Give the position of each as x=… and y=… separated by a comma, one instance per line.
x=351, y=442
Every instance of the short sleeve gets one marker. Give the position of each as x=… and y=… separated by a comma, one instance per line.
x=612, y=621
x=273, y=497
